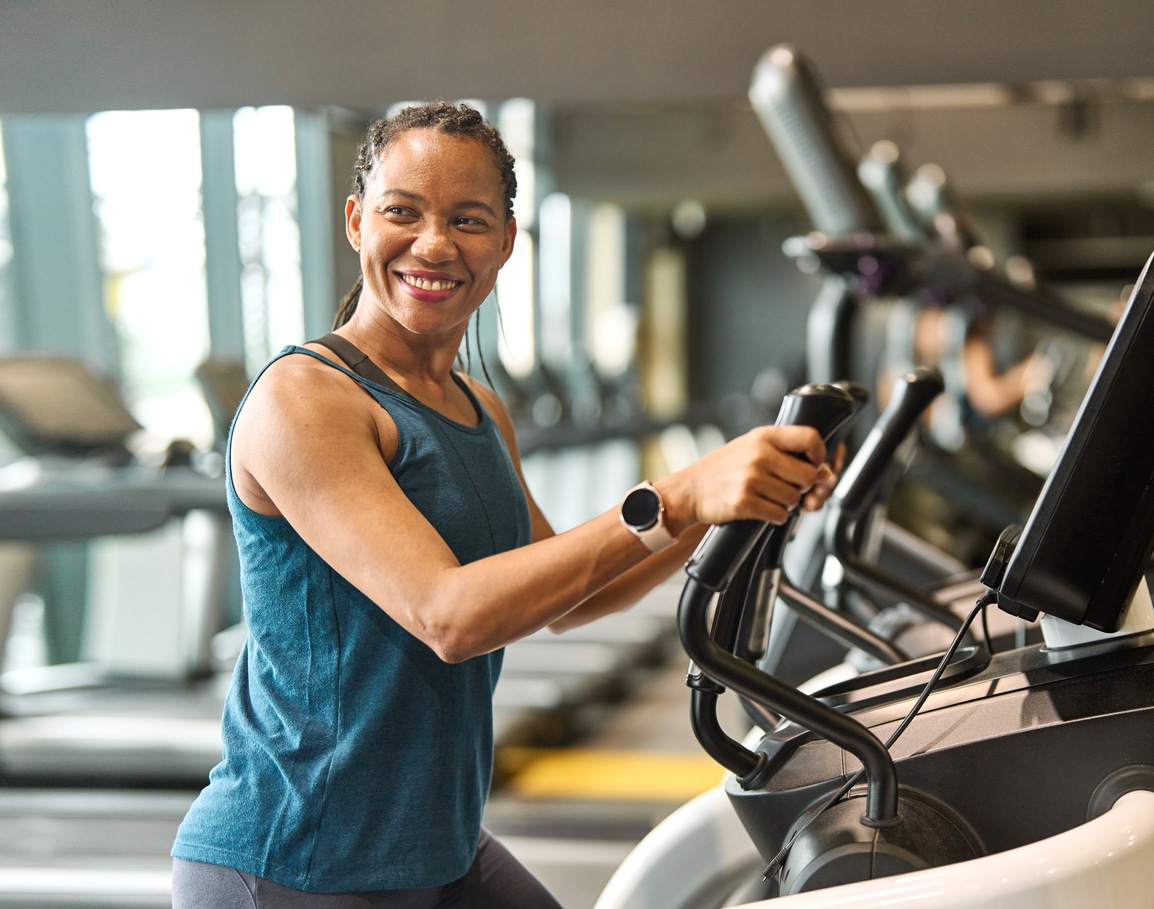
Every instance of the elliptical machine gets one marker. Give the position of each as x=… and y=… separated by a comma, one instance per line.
x=972, y=779
x=964, y=779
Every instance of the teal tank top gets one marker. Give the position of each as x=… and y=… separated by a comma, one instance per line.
x=353, y=757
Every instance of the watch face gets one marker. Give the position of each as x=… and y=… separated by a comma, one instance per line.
x=640, y=508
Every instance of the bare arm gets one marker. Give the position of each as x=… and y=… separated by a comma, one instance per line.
x=630, y=587
x=311, y=447
x=993, y=393
x=634, y=584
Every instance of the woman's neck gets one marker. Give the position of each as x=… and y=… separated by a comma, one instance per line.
x=422, y=367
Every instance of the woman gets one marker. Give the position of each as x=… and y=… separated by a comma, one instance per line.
x=389, y=550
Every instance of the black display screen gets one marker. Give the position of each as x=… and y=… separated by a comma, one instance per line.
x=1088, y=541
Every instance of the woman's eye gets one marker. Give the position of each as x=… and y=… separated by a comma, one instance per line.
x=471, y=223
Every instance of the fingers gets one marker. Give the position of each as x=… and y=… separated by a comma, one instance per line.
x=793, y=482
x=823, y=486
x=782, y=467
x=798, y=440
x=773, y=498
x=825, y=481
x=838, y=460
x=763, y=475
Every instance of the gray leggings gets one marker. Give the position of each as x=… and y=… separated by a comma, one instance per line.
x=496, y=880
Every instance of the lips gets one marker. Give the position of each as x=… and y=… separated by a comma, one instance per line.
x=434, y=285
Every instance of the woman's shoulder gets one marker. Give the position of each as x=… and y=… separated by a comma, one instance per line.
x=300, y=390
x=297, y=371
x=298, y=412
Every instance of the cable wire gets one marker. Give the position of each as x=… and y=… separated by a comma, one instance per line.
x=986, y=628
x=985, y=600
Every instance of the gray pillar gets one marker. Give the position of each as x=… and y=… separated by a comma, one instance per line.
x=221, y=243
x=56, y=281
x=316, y=216
x=57, y=306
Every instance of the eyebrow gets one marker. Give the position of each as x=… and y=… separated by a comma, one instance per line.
x=417, y=197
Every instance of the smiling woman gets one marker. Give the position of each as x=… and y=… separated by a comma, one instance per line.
x=430, y=247
x=449, y=121
x=390, y=549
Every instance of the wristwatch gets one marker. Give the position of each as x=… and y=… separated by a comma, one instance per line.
x=643, y=513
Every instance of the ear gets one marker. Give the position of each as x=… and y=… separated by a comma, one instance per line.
x=507, y=243
x=353, y=222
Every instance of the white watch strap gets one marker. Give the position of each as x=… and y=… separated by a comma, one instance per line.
x=656, y=536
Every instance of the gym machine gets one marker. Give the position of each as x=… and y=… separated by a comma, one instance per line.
x=964, y=778
x=969, y=778
x=76, y=479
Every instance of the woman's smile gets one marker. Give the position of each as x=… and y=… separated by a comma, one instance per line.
x=428, y=288
x=432, y=233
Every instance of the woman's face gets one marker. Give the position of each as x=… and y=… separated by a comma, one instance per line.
x=431, y=231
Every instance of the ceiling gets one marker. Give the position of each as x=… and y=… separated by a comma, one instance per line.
x=81, y=55
x=647, y=98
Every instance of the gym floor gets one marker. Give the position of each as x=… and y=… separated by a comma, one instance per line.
x=572, y=814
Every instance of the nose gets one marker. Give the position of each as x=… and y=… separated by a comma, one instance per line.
x=433, y=243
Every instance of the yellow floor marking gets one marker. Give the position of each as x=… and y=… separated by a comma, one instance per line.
x=582, y=773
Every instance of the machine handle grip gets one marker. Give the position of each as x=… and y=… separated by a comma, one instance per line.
x=715, y=561
x=912, y=394
x=882, y=175
x=788, y=100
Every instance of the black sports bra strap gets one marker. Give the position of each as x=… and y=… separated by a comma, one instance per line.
x=358, y=361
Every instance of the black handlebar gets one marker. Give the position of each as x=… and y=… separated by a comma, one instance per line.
x=724, y=667
x=827, y=408
x=717, y=562
x=912, y=394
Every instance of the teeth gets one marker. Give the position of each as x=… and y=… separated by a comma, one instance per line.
x=426, y=284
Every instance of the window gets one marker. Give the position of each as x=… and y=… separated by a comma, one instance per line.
x=145, y=173
x=7, y=316
x=269, y=235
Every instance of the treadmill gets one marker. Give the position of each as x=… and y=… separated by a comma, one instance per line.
x=88, y=721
